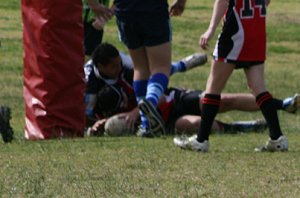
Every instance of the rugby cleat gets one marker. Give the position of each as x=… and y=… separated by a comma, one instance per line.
x=191, y=143
x=194, y=60
x=156, y=123
x=292, y=104
x=5, y=128
x=281, y=144
x=143, y=132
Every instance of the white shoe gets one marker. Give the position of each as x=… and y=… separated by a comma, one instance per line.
x=194, y=60
x=191, y=143
x=292, y=104
x=281, y=144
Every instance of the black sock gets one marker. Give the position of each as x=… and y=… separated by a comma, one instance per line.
x=266, y=104
x=210, y=108
x=278, y=103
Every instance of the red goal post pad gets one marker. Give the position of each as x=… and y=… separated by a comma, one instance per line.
x=53, y=68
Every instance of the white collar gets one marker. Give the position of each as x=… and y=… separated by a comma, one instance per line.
x=98, y=75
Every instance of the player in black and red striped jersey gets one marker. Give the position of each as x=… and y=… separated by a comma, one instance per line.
x=241, y=44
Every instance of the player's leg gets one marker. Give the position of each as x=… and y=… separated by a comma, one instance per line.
x=159, y=59
x=188, y=63
x=239, y=101
x=140, y=79
x=246, y=102
x=255, y=79
x=218, y=77
x=128, y=32
x=219, y=74
x=189, y=124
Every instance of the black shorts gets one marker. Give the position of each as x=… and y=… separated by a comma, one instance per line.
x=186, y=102
x=92, y=38
x=144, y=31
x=240, y=64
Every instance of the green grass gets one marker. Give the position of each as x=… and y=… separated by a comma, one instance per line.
x=135, y=167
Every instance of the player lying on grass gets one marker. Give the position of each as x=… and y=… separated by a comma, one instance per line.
x=116, y=69
x=109, y=92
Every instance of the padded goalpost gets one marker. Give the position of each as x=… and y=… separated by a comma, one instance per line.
x=53, y=69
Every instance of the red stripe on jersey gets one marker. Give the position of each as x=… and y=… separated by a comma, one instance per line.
x=220, y=59
x=165, y=109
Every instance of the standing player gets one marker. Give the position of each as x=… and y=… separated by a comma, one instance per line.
x=5, y=128
x=238, y=46
x=93, y=27
x=144, y=27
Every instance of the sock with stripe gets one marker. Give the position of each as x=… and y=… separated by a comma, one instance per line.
x=210, y=108
x=156, y=87
x=266, y=104
x=140, y=89
x=177, y=67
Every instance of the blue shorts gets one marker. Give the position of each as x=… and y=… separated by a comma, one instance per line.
x=144, y=31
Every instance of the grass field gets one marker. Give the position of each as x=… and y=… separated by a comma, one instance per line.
x=135, y=167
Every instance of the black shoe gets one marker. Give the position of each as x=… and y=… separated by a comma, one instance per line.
x=156, y=123
x=5, y=128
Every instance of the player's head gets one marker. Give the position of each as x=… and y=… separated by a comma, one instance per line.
x=108, y=100
x=107, y=59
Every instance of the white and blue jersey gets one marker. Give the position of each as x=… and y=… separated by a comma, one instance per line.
x=95, y=82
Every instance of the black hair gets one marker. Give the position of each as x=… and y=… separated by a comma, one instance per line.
x=103, y=53
x=108, y=100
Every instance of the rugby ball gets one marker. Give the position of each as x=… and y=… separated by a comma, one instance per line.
x=117, y=126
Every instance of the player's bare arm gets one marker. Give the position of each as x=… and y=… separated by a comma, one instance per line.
x=219, y=10
x=100, y=10
x=177, y=7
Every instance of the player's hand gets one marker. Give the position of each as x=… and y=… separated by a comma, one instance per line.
x=177, y=7
x=98, y=127
x=205, y=38
x=99, y=23
x=101, y=11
